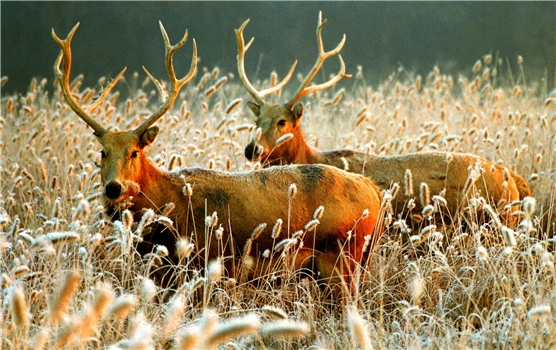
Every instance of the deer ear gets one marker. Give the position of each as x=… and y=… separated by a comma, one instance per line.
x=148, y=136
x=255, y=108
x=297, y=112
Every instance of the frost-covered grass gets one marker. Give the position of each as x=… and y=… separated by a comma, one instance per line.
x=69, y=277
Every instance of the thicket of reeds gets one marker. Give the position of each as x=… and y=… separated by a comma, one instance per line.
x=69, y=277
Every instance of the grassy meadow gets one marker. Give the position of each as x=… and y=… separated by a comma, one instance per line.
x=69, y=278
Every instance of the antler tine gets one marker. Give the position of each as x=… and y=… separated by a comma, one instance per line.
x=175, y=84
x=112, y=83
x=63, y=79
x=303, y=90
x=280, y=85
x=241, y=49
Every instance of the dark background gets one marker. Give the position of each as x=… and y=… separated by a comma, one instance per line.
x=381, y=36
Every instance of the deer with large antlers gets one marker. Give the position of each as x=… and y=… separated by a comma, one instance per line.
x=447, y=173
x=241, y=200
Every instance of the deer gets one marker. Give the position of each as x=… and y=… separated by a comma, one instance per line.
x=349, y=225
x=446, y=174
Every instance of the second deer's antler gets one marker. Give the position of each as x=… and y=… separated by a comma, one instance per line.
x=303, y=89
x=241, y=49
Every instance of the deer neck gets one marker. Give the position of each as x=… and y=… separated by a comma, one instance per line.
x=302, y=153
x=155, y=187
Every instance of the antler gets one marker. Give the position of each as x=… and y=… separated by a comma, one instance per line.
x=63, y=79
x=175, y=84
x=303, y=90
x=241, y=49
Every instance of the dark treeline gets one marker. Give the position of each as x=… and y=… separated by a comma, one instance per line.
x=381, y=36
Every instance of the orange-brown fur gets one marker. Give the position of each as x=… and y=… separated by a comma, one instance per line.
x=242, y=201
x=245, y=200
x=439, y=170
x=432, y=168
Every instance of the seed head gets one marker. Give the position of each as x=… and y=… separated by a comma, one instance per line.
x=292, y=191
x=123, y=305
x=148, y=289
x=103, y=298
x=318, y=213
x=214, y=270
x=408, y=182
x=276, y=229
x=358, y=329
x=233, y=328
x=284, y=138
x=184, y=247
x=258, y=230
x=187, y=190
x=219, y=233
x=61, y=237
x=161, y=251
x=424, y=194
x=488, y=59
x=127, y=219
x=482, y=253
x=233, y=105
x=312, y=224
x=285, y=329
x=477, y=66
x=509, y=236
x=18, y=306
x=173, y=315
x=539, y=312
x=208, y=221
x=275, y=312
x=428, y=210
x=258, y=134
x=69, y=286
x=529, y=205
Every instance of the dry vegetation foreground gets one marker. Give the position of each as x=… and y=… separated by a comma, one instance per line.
x=69, y=277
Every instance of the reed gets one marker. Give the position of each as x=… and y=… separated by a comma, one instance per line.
x=477, y=285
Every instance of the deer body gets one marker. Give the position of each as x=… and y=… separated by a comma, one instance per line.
x=242, y=201
x=245, y=200
x=440, y=171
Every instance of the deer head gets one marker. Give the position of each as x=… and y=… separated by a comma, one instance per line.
x=124, y=165
x=277, y=120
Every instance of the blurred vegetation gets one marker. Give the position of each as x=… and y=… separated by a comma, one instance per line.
x=381, y=36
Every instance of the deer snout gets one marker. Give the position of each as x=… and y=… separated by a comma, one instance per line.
x=253, y=151
x=113, y=190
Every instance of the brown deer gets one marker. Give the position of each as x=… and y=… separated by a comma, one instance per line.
x=242, y=200
x=446, y=173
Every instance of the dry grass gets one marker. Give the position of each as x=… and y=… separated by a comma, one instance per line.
x=70, y=278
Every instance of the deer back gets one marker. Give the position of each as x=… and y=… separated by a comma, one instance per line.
x=245, y=200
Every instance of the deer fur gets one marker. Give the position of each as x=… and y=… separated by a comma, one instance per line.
x=447, y=172
x=439, y=170
x=242, y=201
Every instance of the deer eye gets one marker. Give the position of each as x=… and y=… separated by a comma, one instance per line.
x=103, y=154
x=134, y=154
x=281, y=122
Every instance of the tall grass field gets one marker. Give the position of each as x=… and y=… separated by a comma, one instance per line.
x=70, y=278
